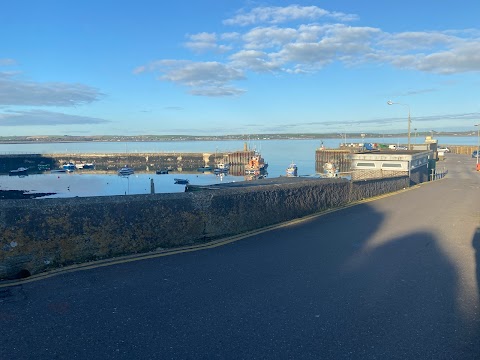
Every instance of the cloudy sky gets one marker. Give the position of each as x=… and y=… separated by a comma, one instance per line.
x=201, y=67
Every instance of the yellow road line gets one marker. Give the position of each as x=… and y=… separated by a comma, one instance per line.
x=182, y=250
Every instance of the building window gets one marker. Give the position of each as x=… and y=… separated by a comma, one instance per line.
x=392, y=165
x=363, y=164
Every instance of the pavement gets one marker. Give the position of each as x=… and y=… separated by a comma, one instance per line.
x=393, y=278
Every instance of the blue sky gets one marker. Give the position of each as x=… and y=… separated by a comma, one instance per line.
x=237, y=67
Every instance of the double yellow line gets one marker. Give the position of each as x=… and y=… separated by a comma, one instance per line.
x=187, y=249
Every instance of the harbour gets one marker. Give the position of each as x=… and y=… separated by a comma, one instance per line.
x=147, y=158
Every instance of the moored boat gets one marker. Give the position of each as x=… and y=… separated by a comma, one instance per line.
x=69, y=167
x=204, y=168
x=221, y=168
x=161, y=171
x=292, y=169
x=256, y=165
x=125, y=171
x=21, y=171
x=181, y=181
x=330, y=170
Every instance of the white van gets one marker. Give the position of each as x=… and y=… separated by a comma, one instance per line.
x=392, y=147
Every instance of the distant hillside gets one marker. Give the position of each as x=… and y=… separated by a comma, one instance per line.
x=245, y=137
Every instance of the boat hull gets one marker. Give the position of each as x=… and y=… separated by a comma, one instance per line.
x=18, y=172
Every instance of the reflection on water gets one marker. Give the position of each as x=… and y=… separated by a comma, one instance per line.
x=82, y=185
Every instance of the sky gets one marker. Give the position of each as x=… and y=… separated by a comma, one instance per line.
x=216, y=67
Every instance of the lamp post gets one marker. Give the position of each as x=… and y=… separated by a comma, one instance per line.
x=390, y=102
x=478, y=141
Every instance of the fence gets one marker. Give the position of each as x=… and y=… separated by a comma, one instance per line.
x=437, y=174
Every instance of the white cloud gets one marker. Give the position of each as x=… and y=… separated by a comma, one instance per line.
x=268, y=37
x=41, y=117
x=462, y=56
x=203, y=42
x=277, y=15
x=254, y=60
x=461, y=59
x=202, y=73
x=217, y=91
x=201, y=77
x=409, y=41
x=14, y=91
x=309, y=46
x=7, y=62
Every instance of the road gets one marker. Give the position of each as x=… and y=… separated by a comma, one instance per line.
x=394, y=278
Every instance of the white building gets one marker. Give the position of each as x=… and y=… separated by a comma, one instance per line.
x=386, y=163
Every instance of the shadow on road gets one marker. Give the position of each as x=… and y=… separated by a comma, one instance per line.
x=339, y=286
x=476, y=247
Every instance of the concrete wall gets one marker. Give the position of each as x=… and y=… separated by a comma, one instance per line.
x=37, y=235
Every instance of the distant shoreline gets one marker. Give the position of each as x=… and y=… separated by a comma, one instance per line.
x=169, y=138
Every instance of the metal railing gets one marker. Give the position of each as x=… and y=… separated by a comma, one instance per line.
x=437, y=174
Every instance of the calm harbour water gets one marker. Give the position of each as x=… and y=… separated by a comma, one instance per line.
x=278, y=153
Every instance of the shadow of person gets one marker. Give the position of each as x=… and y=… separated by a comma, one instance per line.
x=402, y=298
x=476, y=247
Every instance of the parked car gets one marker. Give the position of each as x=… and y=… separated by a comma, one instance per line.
x=475, y=154
x=443, y=149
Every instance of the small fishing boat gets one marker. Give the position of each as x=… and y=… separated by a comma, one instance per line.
x=181, y=181
x=69, y=167
x=222, y=166
x=161, y=172
x=88, y=166
x=292, y=169
x=125, y=171
x=204, y=168
x=21, y=171
x=55, y=171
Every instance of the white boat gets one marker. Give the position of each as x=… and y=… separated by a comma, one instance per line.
x=125, y=171
x=330, y=170
x=292, y=169
x=69, y=167
x=87, y=166
x=222, y=166
x=21, y=171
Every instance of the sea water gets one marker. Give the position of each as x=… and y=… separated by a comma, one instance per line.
x=277, y=153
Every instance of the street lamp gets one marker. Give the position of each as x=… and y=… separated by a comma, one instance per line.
x=478, y=142
x=390, y=102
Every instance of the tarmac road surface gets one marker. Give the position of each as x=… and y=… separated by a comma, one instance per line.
x=394, y=278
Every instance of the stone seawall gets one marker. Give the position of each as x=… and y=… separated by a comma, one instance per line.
x=141, y=162
x=38, y=235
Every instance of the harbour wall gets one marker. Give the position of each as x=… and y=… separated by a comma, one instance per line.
x=140, y=162
x=40, y=235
